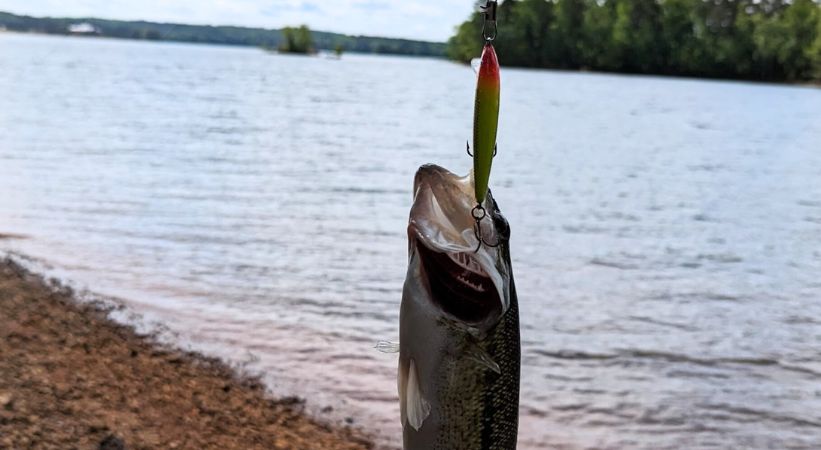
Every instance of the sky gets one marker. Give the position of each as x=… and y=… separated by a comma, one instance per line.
x=432, y=20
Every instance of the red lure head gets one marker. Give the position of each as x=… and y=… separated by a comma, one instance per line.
x=489, y=68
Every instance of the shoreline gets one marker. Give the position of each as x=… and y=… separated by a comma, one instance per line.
x=71, y=376
x=812, y=84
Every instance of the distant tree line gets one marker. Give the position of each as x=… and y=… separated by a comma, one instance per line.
x=746, y=39
x=258, y=37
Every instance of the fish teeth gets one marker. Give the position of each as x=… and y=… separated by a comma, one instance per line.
x=476, y=287
x=467, y=262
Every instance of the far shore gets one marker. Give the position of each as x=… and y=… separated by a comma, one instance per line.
x=70, y=377
x=806, y=84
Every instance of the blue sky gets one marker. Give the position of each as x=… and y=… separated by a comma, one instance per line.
x=416, y=19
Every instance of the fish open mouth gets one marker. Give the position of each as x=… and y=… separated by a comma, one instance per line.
x=465, y=284
x=459, y=286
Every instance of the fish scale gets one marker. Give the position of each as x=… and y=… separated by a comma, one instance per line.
x=483, y=406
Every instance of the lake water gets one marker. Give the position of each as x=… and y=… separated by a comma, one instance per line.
x=666, y=232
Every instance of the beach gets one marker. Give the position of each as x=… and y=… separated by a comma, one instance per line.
x=70, y=377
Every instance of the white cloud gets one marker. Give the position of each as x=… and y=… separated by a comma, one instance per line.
x=431, y=20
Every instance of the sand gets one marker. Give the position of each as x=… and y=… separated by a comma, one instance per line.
x=71, y=378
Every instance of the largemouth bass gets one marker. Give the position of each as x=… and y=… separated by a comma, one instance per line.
x=459, y=350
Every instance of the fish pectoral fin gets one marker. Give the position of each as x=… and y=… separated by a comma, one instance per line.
x=416, y=409
x=480, y=356
x=402, y=385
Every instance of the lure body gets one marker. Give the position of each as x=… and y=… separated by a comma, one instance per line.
x=485, y=120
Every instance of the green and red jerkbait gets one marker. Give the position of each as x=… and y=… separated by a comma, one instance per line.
x=485, y=120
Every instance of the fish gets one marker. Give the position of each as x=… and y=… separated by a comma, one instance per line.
x=459, y=343
x=485, y=120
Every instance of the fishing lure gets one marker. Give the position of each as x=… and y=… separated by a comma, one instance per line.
x=459, y=345
x=485, y=121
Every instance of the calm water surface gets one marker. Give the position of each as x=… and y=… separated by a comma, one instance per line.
x=666, y=232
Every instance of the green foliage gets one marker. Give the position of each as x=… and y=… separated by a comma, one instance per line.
x=747, y=39
x=569, y=19
x=297, y=40
x=464, y=45
x=528, y=22
x=256, y=37
x=815, y=53
x=801, y=24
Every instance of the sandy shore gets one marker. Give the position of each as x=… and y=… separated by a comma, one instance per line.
x=71, y=378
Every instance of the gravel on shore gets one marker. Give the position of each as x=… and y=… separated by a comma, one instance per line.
x=71, y=378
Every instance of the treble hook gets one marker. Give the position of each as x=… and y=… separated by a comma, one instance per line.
x=467, y=144
x=478, y=212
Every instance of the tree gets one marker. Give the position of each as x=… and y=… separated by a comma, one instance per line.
x=801, y=25
x=466, y=44
x=637, y=35
x=678, y=24
x=815, y=53
x=568, y=31
x=752, y=39
x=297, y=40
x=597, y=29
x=531, y=43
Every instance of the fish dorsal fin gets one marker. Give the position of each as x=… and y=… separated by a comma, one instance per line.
x=417, y=409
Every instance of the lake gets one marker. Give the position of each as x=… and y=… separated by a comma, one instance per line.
x=666, y=233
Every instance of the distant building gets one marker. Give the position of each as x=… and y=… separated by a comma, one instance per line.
x=83, y=28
